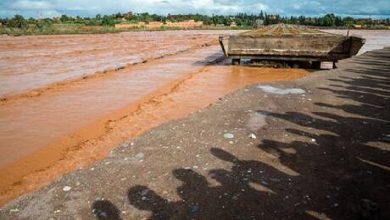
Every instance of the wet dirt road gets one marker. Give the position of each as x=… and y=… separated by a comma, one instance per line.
x=73, y=123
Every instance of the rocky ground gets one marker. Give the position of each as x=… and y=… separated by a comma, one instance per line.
x=314, y=148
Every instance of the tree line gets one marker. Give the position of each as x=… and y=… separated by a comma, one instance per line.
x=241, y=20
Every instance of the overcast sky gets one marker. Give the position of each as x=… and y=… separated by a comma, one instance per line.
x=50, y=8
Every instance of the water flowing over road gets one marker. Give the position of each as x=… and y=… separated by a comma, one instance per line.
x=68, y=100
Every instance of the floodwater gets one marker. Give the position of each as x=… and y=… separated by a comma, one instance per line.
x=53, y=119
x=375, y=39
x=32, y=62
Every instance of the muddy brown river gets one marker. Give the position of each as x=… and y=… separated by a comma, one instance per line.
x=68, y=100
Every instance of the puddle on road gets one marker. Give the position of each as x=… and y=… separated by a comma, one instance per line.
x=44, y=137
x=280, y=91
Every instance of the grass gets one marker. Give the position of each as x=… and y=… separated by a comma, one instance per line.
x=58, y=29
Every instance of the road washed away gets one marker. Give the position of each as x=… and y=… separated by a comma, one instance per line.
x=46, y=132
x=251, y=154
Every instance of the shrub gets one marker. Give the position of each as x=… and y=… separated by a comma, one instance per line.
x=18, y=21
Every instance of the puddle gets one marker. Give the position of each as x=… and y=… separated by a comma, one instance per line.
x=281, y=91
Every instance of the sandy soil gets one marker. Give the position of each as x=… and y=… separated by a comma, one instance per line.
x=313, y=148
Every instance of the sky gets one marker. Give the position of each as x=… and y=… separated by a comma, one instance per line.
x=53, y=8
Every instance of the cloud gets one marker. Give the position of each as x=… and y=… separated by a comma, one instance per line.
x=31, y=5
x=285, y=7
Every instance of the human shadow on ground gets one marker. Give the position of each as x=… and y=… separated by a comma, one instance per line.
x=105, y=210
x=251, y=190
x=346, y=151
x=342, y=169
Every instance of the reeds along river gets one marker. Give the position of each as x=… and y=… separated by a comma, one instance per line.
x=68, y=100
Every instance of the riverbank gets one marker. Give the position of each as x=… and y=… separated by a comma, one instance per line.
x=316, y=147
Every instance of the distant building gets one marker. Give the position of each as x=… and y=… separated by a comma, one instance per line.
x=259, y=23
x=233, y=24
x=154, y=25
x=184, y=24
x=130, y=25
x=157, y=25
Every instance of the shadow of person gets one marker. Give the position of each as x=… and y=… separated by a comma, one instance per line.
x=192, y=193
x=260, y=191
x=143, y=198
x=251, y=190
x=345, y=149
x=105, y=210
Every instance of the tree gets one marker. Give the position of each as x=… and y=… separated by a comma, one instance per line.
x=348, y=22
x=108, y=21
x=261, y=16
x=339, y=21
x=64, y=18
x=18, y=21
x=329, y=20
x=44, y=24
x=266, y=20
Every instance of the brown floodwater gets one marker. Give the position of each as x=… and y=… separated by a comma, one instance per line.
x=75, y=123
x=33, y=62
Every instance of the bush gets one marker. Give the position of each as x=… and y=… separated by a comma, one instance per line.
x=108, y=21
x=18, y=22
x=44, y=25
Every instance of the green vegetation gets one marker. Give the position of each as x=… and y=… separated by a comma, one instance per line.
x=18, y=25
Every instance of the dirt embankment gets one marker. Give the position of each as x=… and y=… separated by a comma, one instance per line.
x=317, y=147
